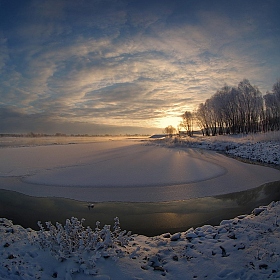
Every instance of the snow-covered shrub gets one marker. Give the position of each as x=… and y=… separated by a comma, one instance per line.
x=85, y=245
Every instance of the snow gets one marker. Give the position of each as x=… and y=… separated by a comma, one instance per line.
x=259, y=147
x=245, y=247
x=266, y=152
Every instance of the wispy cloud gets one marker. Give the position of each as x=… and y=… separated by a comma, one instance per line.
x=123, y=62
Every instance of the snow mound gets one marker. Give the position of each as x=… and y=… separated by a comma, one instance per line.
x=264, y=152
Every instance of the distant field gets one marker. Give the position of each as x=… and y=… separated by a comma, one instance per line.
x=58, y=140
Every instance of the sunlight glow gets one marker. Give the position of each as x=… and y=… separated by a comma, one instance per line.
x=169, y=120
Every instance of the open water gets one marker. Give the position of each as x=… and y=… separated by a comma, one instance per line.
x=149, y=219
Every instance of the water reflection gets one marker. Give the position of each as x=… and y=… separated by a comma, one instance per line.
x=143, y=218
x=262, y=194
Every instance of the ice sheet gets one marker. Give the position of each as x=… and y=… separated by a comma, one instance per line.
x=127, y=171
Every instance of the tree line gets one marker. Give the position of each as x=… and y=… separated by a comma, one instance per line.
x=233, y=110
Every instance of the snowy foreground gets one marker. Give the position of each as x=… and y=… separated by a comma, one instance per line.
x=246, y=247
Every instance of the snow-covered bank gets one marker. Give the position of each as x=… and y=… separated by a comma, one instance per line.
x=259, y=147
x=246, y=247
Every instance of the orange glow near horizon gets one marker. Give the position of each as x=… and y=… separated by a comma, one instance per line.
x=169, y=120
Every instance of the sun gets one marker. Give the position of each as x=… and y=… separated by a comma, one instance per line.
x=169, y=120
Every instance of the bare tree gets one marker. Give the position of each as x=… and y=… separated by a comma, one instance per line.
x=238, y=110
x=202, y=119
x=170, y=130
x=187, y=122
x=272, y=108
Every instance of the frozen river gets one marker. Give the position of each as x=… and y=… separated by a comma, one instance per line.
x=125, y=171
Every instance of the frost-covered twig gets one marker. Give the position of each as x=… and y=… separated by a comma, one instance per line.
x=85, y=245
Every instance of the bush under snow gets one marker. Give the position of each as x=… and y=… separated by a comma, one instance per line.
x=84, y=245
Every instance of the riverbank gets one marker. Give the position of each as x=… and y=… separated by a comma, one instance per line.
x=256, y=148
x=246, y=247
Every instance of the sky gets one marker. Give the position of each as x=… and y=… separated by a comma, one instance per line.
x=128, y=66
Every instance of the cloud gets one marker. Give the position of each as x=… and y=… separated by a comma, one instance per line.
x=123, y=62
x=4, y=54
x=17, y=121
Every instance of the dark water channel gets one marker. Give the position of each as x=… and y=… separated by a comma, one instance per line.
x=143, y=218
